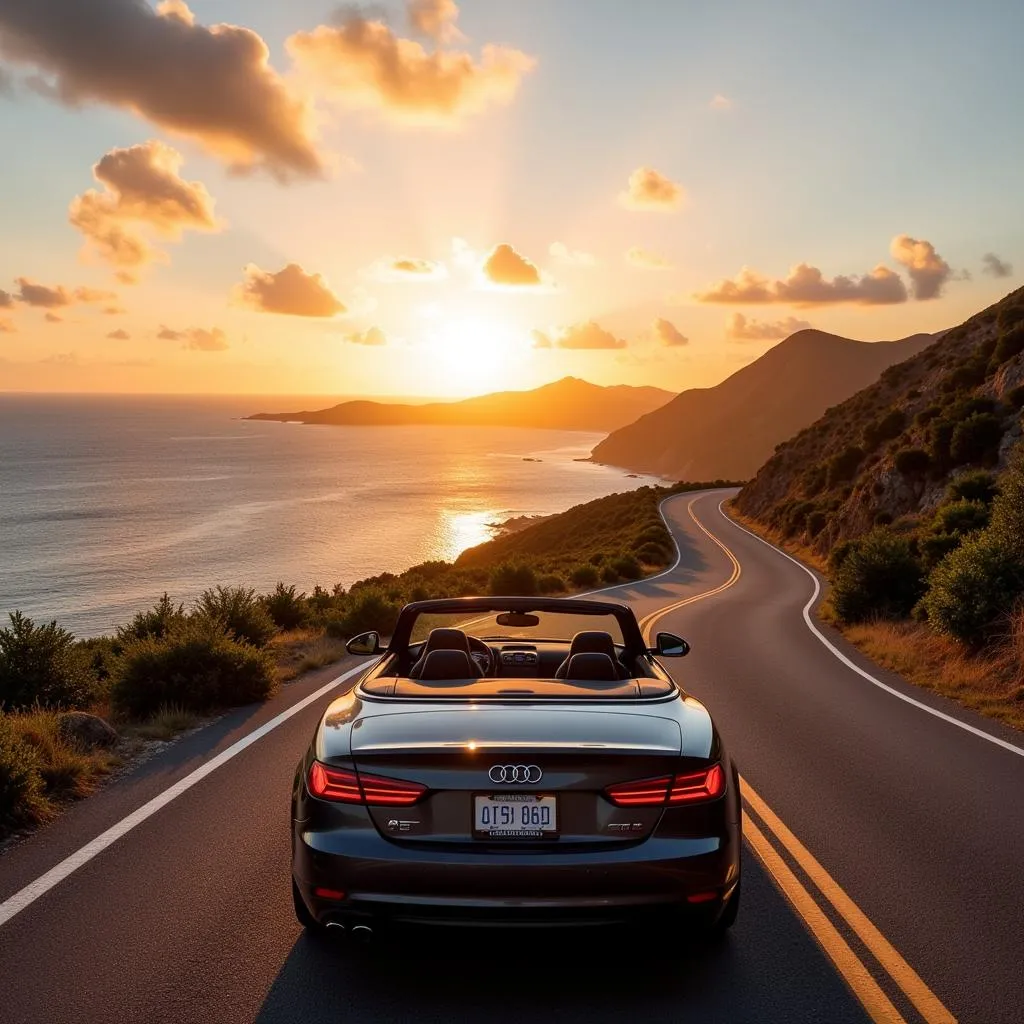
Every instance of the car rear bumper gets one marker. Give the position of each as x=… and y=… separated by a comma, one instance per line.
x=385, y=880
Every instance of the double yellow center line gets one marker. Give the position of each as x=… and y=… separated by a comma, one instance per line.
x=855, y=972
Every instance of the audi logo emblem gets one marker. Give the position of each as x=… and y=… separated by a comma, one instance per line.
x=511, y=773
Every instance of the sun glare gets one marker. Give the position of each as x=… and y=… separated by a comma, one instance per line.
x=474, y=354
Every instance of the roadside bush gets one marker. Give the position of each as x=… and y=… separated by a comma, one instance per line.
x=973, y=589
x=366, y=609
x=513, y=579
x=585, y=576
x=158, y=621
x=652, y=554
x=550, y=584
x=880, y=577
x=240, y=612
x=197, y=667
x=627, y=567
x=935, y=546
x=43, y=665
x=21, y=788
x=286, y=607
x=843, y=466
x=609, y=575
x=960, y=517
x=976, y=485
x=815, y=523
x=912, y=461
x=976, y=439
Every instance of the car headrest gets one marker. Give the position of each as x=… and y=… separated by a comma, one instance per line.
x=447, y=664
x=592, y=667
x=442, y=639
x=592, y=641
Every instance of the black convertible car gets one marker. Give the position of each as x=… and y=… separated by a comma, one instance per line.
x=516, y=761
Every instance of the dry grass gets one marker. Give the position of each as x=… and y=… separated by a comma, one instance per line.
x=990, y=682
x=302, y=650
x=164, y=725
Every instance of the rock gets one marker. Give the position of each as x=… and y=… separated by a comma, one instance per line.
x=85, y=729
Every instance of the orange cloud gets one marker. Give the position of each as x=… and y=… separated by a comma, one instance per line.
x=668, y=334
x=53, y=318
x=142, y=190
x=371, y=336
x=571, y=257
x=505, y=266
x=743, y=329
x=720, y=102
x=644, y=259
x=196, y=339
x=362, y=63
x=34, y=294
x=212, y=85
x=290, y=291
x=408, y=268
x=806, y=286
x=927, y=269
x=6, y=300
x=119, y=335
x=435, y=19
x=586, y=335
x=650, y=190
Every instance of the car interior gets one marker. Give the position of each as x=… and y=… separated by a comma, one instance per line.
x=452, y=663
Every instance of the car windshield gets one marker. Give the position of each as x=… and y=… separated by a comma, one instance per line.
x=551, y=625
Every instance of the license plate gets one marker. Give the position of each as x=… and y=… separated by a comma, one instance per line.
x=515, y=816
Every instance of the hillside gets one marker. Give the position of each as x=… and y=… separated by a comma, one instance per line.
x=729, y=430
x=893, y=448
x=567, y=404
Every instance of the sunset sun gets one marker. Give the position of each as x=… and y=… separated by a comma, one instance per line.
x=473, y=353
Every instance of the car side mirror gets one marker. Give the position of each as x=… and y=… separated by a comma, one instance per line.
x=671, y=646
x=365, y=643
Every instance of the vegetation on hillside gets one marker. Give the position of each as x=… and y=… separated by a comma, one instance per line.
x=913, y=490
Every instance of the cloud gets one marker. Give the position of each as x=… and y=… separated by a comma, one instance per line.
x=806, y=286
x=119, y=335
x=720, y=102
x=644, y=259
x=290, y=291
x=668, y=334
x=371, y=336
x=196, y=339
x=571, y=257
x=435, y=19
x=361, y=63
x=142, y=191
x=114, y=310
x=991, y=264
x=743, y=329
x=93, y=296
x=212, y=85
x=53, y=318
x=586, y=335
x=505, y=266
x=927, y=269
x=6, y=300
x=650, y=190
x=41, y=295
x=408, y=268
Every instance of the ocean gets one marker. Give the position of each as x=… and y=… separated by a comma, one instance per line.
x=107, y=502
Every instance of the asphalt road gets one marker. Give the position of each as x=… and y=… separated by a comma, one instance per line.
x=915, y=827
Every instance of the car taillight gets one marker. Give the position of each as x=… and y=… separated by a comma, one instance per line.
x=669, y=789
x=346, y=787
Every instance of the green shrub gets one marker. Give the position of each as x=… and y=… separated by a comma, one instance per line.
x=1009, y=316
x=627, y=567
x=880, y=577
x=1011, y=343
x=935, y=546
x=815, y=523
x=513, y=579
x=585, y=576
x=843, y=466
x=975, y=485
x=888, y=427
x=976, y=439
x=652, y=554
x=912, y=461
x=198, y=667
x=550, y=584
x=286, y=607
x=926, y=415
x=609, y=575
x=43, y=665
x=367, y=609
x=240, y=612
x=974, y=588
x=21, y=787
x=158, y=621
x=960, y=517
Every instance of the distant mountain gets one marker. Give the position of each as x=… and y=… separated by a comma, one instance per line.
x=567, y=404
x=729, y=430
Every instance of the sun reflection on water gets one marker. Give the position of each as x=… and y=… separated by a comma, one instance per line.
x=461, y=530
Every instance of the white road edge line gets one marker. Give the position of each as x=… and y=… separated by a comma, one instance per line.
x=855, y=667
x=31, y=892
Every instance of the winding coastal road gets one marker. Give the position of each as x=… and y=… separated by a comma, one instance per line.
x=883, y=880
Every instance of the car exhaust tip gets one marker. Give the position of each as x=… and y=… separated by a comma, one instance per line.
x=335, y=927
x=362, y=933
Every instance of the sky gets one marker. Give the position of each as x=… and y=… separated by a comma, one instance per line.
x=440, y=198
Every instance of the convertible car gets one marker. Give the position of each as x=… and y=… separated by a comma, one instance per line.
x=516, y=761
